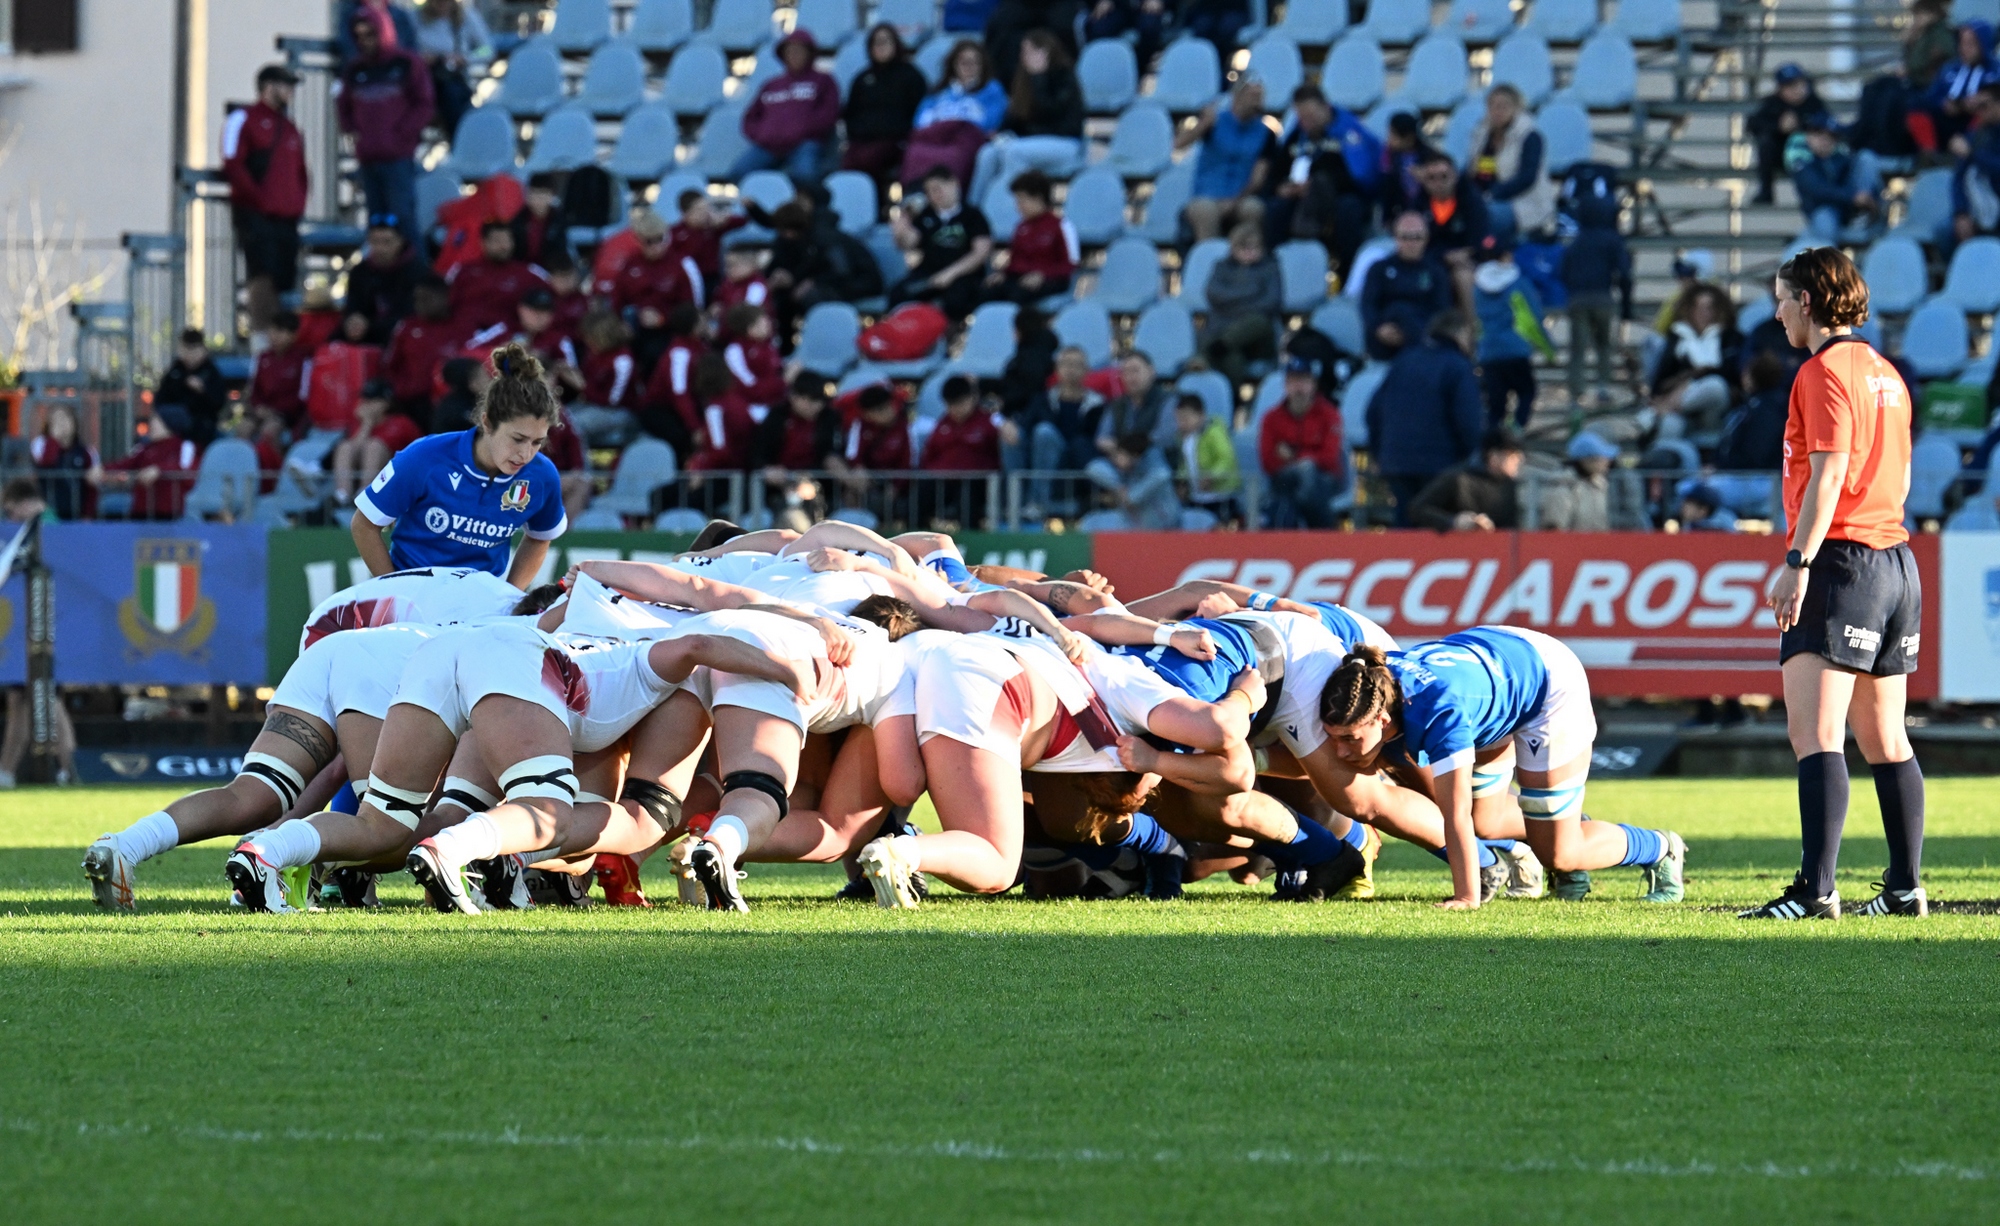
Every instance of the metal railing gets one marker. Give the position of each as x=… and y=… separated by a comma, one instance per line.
x=212, y=279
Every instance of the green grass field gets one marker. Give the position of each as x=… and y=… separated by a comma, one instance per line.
x=1214, y=1059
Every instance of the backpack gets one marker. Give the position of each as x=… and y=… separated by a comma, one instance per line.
x=1590, y=196
x=905, y=334
x=587, y=197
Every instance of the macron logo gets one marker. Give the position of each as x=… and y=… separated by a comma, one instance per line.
x=455, y=479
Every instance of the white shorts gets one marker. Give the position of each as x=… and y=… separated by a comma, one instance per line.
x=1565, y=728
x=620, y=688
x=782, y=637
x=971, y=691
x=355, y=671
x=1311, y=655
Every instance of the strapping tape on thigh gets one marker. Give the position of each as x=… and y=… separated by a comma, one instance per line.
x=406, y=806
x=662, y=805
x=276, y=774
x=1553, y=804
x=548, y=776
x=1490, y=781
x=466, y=795
x=758, y=781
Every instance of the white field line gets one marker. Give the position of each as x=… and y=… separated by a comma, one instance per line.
x=973, y=1151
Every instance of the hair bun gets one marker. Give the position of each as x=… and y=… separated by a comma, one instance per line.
x=513, y=361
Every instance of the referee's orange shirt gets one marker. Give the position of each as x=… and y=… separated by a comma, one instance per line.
x=1848, y=398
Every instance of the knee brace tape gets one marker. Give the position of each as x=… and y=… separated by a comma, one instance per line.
x=467, y=795
x=662, y=805
x=758, y=781
x=550, y=776
x=406, y=806
x=276, y=774
x=1553, y=804
x=1490, y=782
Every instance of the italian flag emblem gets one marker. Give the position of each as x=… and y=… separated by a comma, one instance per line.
x=166, y=610
x=167, y=593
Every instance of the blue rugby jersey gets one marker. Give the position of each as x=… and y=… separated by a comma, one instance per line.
x=1465, y=692
x=449, y=512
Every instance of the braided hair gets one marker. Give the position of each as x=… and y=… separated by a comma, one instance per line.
x=1360, y=689
x=518, y=390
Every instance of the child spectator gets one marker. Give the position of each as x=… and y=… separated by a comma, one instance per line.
x=160, y=472
x=488, y=290
x=801, y=438
x=1776, y=118
x=538, y=333
x=790, y=123
x=1206, y=462
x=541, y=228
x=319, y=318
x=698, y=234
x=418, y=346
x=609, y=390
x=566, y=283
x=723, y=428
x=1301, y=449
x=1839, y=192
x=753, y=358
x=277, y=394
x=340, y=370
x=1510, y=334
x=667, y=409
x=195, y=383
x=1032, y=365
x=877, y=434
x=1596, y=272
x=1137, y=485
x=566, y=451
x=1702, y=510
x=966, y=439
x=465, y=380
x=953, y=242
x=1042, y=255
x=1245, y=302
x=742, y=281
x=67, y=467
x=379, y=433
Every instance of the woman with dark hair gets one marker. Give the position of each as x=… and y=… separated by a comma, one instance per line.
x=1044, y=113
x=882, y=107
x=63, y=462
x=954, y=123
x=1697, y=378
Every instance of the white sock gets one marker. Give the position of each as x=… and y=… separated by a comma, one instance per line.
x=289, y=844
x=475, y=838
x=148, y=837
x=730, y=834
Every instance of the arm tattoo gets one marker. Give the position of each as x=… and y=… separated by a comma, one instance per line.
x=1059, y=597
x=300, y=733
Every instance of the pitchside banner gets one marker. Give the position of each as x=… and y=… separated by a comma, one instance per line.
x=1648, y=613
x=1969, y=603
x=14, y=631
x=176, y=603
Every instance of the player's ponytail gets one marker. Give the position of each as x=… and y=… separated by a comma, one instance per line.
x=1360, y=689
x=518, y=390
x=1109, y=797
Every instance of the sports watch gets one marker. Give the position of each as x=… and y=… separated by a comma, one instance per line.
x=1794, y=560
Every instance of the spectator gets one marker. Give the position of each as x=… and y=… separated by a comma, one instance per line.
x=1218, y=21
x=1753, y=435
x=1839, y=192
x=21, y=502
x=1331, y=162
x=1426, y=416
x=1702, y=510
x=952, y=124
x=1769, y=337
x=1042, y=255
x=488, y=290
x=813, y=261
x=160, y=472
x=418, y=348
x=953, y=242
x=394, y=19
x=1458, y=222
x=1475, y=497
x=743, y=280
x=1508, y=167
x=1229, y=172
x=1145, y=408
x=277, y=393
x=453, y=38
x=1950, y=104
x=802, y=438
x=1033, y=365
x=654, y=281
x=1698, y=374
x=379, y=433
x=264, y=159
x=1597, y=275
x=1137, y=486
x=1205, y=461
x=1245, y=303
x=1402, y=153
x=385, y=102
x=1691, y=268
x=465, y=380
x=1300, y=448
x=877, y=438
x=668, y=410
x=1510, y=335
x=699, y=233
x=66, y=466
x=966, y=439
x=1771, y=125
x=558, y=349
x=881, y=108
x=566, y=283
x=1148, y=21
x=541, y=228
x=1929, y=43
x=1044, y=112
x=565, y=450
x=1594, y=498
x=611, y=388
x=1014, y=19
x=1890, y=102
x=1054, y=430
x=752, y=358
x=379, y=288
x=1403, y=292
x=194, y=382
x=790, y=123
x=340, y=369
x=320, y=318
x=1975, y=181
x=723, y=428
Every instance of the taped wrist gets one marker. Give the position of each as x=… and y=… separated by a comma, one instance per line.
x=758, y=781
x=404, y=805
x=466, y=794
x=1164, y=633
x=548, y=776
x=663, y=806
x=275, y=773
x=1262, y=600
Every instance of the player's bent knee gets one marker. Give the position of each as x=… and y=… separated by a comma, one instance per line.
x=275, y=773
x=1552, y=804
x=546, y=777
x=660, y=804
x=759, y=781
x=404, y=806
x=466, y=795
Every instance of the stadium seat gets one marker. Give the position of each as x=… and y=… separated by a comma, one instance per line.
x=1259, y=20
x=1607, y=72
x=1929, y=205
x=659, y=26
x=1269, y=395
x=826, y=339
x=830, y=22
x=645, y=465
x=1354, y=398
x=615, y=82
x=1963, y=11
x=865, y=374
x=764, y=66
x=1398, y=103
x=1458, y=130
x=770, y=188
x=1001, y=212
x=1397, y=23
x=1201, y=261
x=1565, y=135
x=989, y=340
x=888, y=256
x=1190, y=76
x=1353, y=75
x=533, y=85
x=913, y=19
x=853, y=196
x=1129, y=282
x=693, y=84
x=1215, y=392
x=683, y=520
x=647, y=143
x=1165, y=333
x=435, y=189
x=1171, y=192
x=1567, y=22
x=1896, y=275
x=1973, y=279
x=1339, y=320
x=848, y=63
x=1302, y=267
x=1522, y=61
x=930, y=58
x=226, y=482
x=1480, y=22
x=580, y=25
x=483, y=146
x=1275, y=58
x=564, y=140
x=1313, y=25
x=739, y=26
x=1109, y=74
x=722, y=139
x=1142, y=145
x=1435, y=76
x=1935, y=340
x=1648, y=21
x=668, y=205
x=1095, y=206
x=1087, y=325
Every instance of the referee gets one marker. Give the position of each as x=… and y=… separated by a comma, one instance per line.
x=1847, y=598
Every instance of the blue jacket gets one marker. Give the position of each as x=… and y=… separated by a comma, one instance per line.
x=1494, y=304
x=1229, y=153
x=1362, y=148
x=1960, y=80
x=1406, y=294
x=1826, y=183
x=1596, y=265
x=1427, y=415
x=1985, y=160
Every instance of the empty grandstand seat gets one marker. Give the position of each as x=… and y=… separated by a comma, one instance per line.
x=1929, y=205
x=533, y=85
x=1109, y=74
x=1269, y=395
x=1201, y=261
x=580, y=25
x=1353, y=75
x=1648, y=21
x=1480, y=22
x=1171, y=192
x=1095, y=205
x=484, y=144
x=888, y=256
x=668, y=205
x=826, y=340
x=1313, y=25
x=1275, y=58
x=1973, y=279
x=615, y=82
x=1963, y=11
x=1087, y=325
x=1354, y=398
x=680, y=519
x=226, y=482
x=1215, y=392
x=564, y=140
x=830, y=22
x=770, y=188
x=1435, y=77
x=647, y=143
x=1142, y=144
x=1190, y=76
x=764, y=66
x=853, y=196
x=1607, y=72
x=722, y=139
x=1563, y=21
x=1002, y=214
x=659, y=26
x=693, y=84
x=1566, y=138
x=1302, y=268
x=1396, y=23
x=1522, y=61
x=989, y=340
x=1896, y=275
x=1165, y=333
x=645, y=465
x=1339, y=320
x=739, y=25
x=913, y=19
x=435, y=189
x=1935, y=340
x=1129, y=282
x=1465, y=118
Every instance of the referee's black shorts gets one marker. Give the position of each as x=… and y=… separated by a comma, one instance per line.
x=270, y=247
x=1863, y=610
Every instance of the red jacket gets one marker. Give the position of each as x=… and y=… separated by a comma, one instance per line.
x=264, y=159
x=704, y=246
x=759, y=370
x=177, y=459
x=278, y=383
x=1045, y=244
x=316, y=328
x=882, y=448
x=754, y=291
x=723, y=432
x=661, y=284
x=417, y=348
x=971, y=444
x=569, y=311
x=1315, y=437
x=385, y=102
x=608, y=381
x=334, y=389
x=487, y=292
x=611, y=257
x=669, y=386
x=793, y=108
x=565, y=445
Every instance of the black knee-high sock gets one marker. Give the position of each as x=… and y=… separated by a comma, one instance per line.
x=1899, y=786
x=1822, y=815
